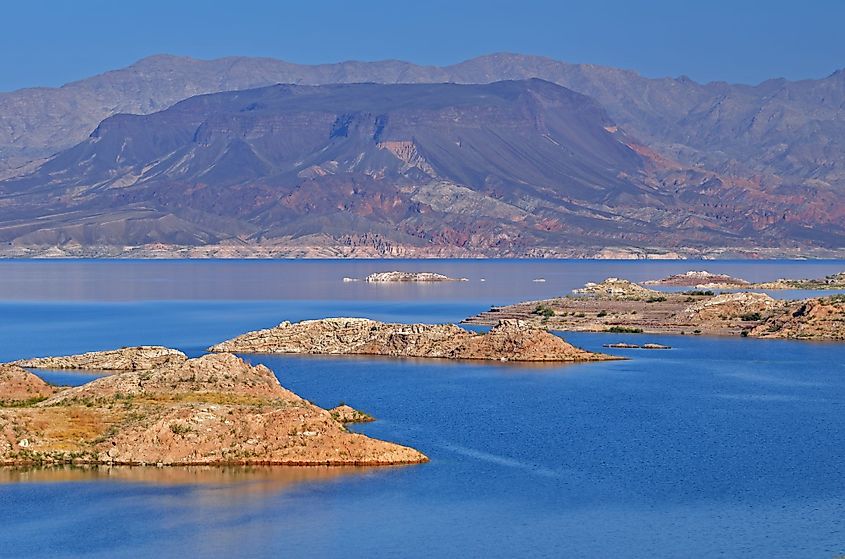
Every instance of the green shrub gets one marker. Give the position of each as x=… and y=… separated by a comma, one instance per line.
x=751, y=317
x=543, y=310
x=602, y=313
x=624, y=330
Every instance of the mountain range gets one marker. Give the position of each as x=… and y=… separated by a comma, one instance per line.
x=500, y=155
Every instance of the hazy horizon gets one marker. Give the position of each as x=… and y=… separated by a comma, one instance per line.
x=714, y=42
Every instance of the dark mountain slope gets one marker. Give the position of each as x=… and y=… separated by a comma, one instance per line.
x=778, y=132
x=505, y=168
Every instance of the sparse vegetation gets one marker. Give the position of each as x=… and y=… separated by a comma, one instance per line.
x=656, y=299
x=698, y=293
x=601, y=313
x=624, y=330
x=751, y=317
x=181, y=429
x=543, y=310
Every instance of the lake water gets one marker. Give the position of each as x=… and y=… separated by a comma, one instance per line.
x=718, y=448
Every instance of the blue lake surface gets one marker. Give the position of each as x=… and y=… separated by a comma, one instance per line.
x=720, y=447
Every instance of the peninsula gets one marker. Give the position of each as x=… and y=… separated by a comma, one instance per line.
x=618, y=305
x=212, y=410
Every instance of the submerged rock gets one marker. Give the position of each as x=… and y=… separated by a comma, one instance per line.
x=509, y=340
x=216, y=409
x=125, y=359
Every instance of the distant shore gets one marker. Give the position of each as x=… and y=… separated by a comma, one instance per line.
x=379, y=251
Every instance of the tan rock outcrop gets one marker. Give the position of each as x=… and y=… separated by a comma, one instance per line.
x=18, y=385
x=507, y=341
x=700, y=279
x=125, y=359
x=812, y=319
x=733, y=305
x=618, y=289
x=216, y=409
x=348, y=414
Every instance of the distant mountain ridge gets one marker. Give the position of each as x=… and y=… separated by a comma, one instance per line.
x=671, y=163
x=508, y=168
x=784, y=130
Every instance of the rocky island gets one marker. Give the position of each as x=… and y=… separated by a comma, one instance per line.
x=618, y=305
x=213, y=410
x=397, y=277
x=508, y=340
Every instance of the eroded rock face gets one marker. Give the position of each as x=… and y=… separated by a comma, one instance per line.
x=392, y=277
x=508, y=341
x=734, y=305
x=812, y=319
x=18, y=385
x=124, y=359
x=216, y=409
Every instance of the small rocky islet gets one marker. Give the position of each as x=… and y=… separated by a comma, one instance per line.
x=213, y=410
x=621, y=306
x=404, y=277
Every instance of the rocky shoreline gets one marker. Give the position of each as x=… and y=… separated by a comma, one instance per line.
x=620, y=306
x=212, y=410
x=508, y=340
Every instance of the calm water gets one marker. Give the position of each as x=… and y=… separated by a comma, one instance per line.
x=717, y=448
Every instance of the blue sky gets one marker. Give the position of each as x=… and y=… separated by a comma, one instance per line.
x=50, y=42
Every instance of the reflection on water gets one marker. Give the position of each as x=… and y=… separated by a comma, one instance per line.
x=224, y=482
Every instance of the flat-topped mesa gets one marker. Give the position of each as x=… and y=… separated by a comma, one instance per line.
x=618, y=289
x=700, y=279
x=19, y=386
x=507, y=341
x=125, y=359
x=397, y=276
x=213, y=410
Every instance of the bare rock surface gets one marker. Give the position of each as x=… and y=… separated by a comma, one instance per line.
x=812, y=319
x=216, y=409
x=616, y=288
x=700, y=279
x=509, y=340
x=396, y=276
x=124, y=359
x=18, y=385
